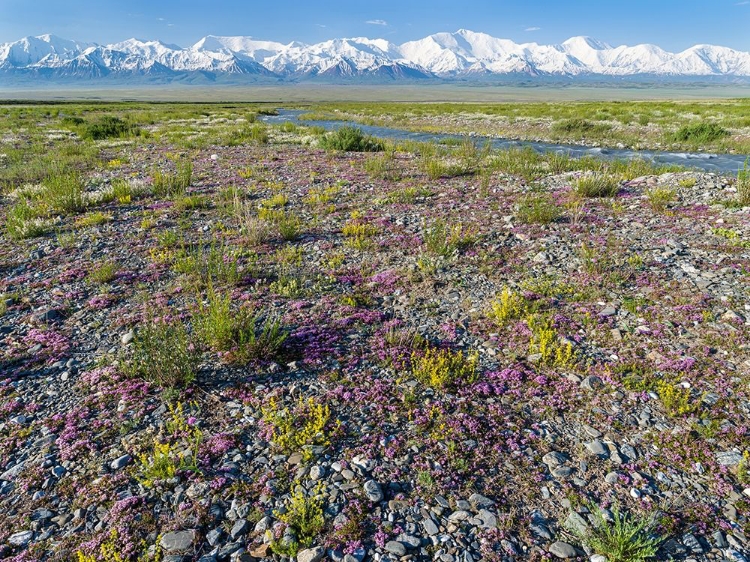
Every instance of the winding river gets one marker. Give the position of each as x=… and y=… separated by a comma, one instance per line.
x=720, y=163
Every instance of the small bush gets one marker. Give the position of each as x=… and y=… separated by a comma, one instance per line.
x=699, y=133
x=510, y=306
x=660, y=197
x=538, y=209
x=162, y=353
x=304, y=517
x=166, y=184
x=23, y=221
x=350, y=139
x=192, y=202
x=298, y=428
x=93, y=219
x=743, y=185
x=580, y=127
x=546, y=344
x=108, y=127
x=443, y=368
x=383, y=166
x=624, y=539
x=289, y=225
x=241, y=336
x=103, y=273
x=63, y=191
x=597, y=185
x=443, y=240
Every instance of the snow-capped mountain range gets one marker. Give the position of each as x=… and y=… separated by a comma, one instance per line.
x=460, y=55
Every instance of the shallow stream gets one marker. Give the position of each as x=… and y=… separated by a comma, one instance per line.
x=722, y=163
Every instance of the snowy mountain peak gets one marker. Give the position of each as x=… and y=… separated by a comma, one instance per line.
x=444, y=55
x=583, y=42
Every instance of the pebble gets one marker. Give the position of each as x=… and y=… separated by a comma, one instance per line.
x=120, y=462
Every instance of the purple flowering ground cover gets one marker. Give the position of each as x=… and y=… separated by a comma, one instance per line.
x=219, y=341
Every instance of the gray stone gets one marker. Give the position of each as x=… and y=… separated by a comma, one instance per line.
x=177, y=541
x=554, y=458
x=576, y=523
x=690, y=541
x=311, y=554
x=214, y=536
x=612, y=478
x=592, y=383
x=596, y=447
x=488, y=518
x=120, y=462
x=317, y=472
x=12, y=472
x=429, y=527
x=263, y=525
x=562, y=471
x=608, y=311
x=735, y=555
x=460, y=515
x=563, y=550
x=479, y=501
x=240, y=528
x=373, y=491
x=395, y=548
x=719, y=540
x=127, y=338
x=541, y=530
x=729, y=458
x=21, y=538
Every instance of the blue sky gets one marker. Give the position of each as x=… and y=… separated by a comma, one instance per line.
x=674, y=25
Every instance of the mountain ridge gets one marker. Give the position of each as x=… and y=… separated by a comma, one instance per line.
x=459, y=55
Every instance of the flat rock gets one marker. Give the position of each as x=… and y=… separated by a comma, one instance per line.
x=563, y=550
x=311, y=554
x=21, y=538
x=729, y=458
x=554, y=458
x=177, y=541
x=395, y=548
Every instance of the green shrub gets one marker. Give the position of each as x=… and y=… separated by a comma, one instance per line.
x=743, y=185
x=63, y=191
x=107, y=127
x=23, y=221
x=699, y=133
x=103, y=273
x=350, y=139
x=580, y=127
x=443, y=240
x=162, y=353
x=443, y=368
x=304, y=516
x=538, y=209
x=660, y=197
x=240, y=335
x=383, y=166
x=166, y=184
x=597, y=185
x=624, y=539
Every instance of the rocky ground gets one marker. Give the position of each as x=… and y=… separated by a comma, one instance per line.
x=454, y=379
